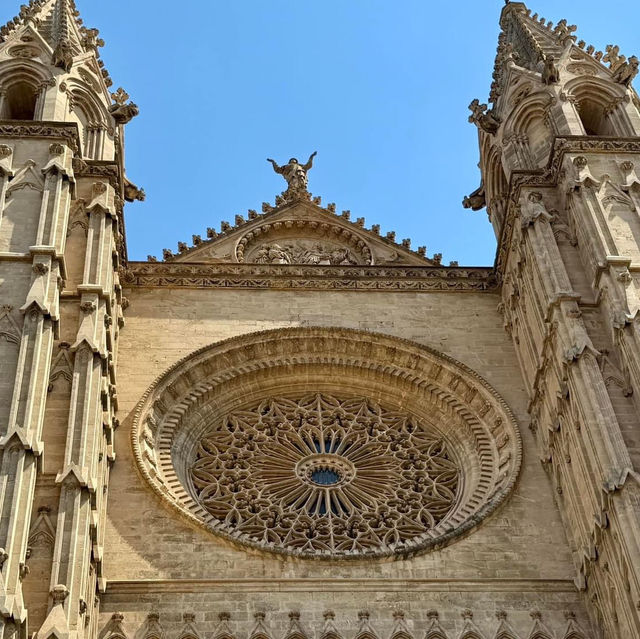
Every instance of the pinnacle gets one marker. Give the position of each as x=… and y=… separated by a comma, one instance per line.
x=59, y=23
x=529, y=40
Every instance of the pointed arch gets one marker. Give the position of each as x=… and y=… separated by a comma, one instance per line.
x=495, y=183
x=528, y=129
x=92, y=116
x=22, y=86
x=598, y=105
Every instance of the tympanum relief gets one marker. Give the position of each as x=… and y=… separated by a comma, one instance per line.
x=303, y=252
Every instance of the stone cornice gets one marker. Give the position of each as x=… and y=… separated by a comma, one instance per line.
x=67, y=131
x=289, y=276
x=549, y=176
x=340, y=584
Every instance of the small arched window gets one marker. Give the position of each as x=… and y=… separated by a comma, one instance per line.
x=20, y=102
x=593, y=118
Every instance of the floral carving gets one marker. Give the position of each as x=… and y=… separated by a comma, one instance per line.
x=321, y=474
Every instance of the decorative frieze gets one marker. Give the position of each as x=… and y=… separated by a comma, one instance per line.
x=286, y=276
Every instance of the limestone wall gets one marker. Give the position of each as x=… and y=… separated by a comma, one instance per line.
x=517, y=560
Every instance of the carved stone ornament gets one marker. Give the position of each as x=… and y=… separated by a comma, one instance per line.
x=361, y=458
x=303, y=242
x=24, y=51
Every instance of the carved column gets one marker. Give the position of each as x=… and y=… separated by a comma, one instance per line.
x=83, y=479
x=20, y=441
x=597, y=487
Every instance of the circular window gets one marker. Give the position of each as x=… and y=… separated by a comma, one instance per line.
x=327, y=442
x=324, y=474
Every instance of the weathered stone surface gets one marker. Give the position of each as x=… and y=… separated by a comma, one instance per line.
x=304, y=428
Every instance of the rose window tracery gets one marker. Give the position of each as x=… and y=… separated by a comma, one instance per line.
x=325, y=474
x=327, y=442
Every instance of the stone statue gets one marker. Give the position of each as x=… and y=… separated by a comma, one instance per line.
x=486, y=121
x=294, y=173
x=550, y=74
x=476, y=200
x=627, y=71
x=272, y=254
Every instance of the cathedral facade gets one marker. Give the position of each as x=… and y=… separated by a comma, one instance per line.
x=297, y=428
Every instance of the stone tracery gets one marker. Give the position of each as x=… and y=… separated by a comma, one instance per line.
x=196, y=436
x=323, y=474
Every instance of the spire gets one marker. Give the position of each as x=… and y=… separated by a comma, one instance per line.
x=58, y=23
x=533, y=43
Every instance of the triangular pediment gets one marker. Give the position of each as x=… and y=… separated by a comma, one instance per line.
x=299, y=232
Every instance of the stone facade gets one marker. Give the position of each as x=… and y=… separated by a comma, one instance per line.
x=298, y=428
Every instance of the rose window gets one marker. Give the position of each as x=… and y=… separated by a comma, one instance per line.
x=326, y=442
x=322, y=474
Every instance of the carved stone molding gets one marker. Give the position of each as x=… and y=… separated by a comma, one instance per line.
x=50, y=130
x=549, y=176
x=183, y=415
x=289, y=276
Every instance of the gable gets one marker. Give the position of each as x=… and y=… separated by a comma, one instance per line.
x=299, y=232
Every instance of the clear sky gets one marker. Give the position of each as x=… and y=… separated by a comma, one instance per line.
x=379, y=88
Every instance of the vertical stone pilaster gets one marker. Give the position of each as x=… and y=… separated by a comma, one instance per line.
x=20, y=443
x=83, y=479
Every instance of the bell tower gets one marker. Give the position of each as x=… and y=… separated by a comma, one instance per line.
x=559, y=155
x=62, y=191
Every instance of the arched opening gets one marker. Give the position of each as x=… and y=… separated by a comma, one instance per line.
x=20, y=102
x=593, y=118
x=600, y=106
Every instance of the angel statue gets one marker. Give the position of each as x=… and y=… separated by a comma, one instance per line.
x=293, y=172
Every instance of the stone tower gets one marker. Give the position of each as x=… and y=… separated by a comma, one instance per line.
x=62, y=189
x=559, y=150
x=320, y=432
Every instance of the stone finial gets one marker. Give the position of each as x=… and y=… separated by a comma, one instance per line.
x=224, y=616
x=364, y=615
x=122, y=112
x=329, y=614
x=483, y=119
x=433, y=614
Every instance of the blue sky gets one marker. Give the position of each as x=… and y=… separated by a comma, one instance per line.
x=379, y=88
